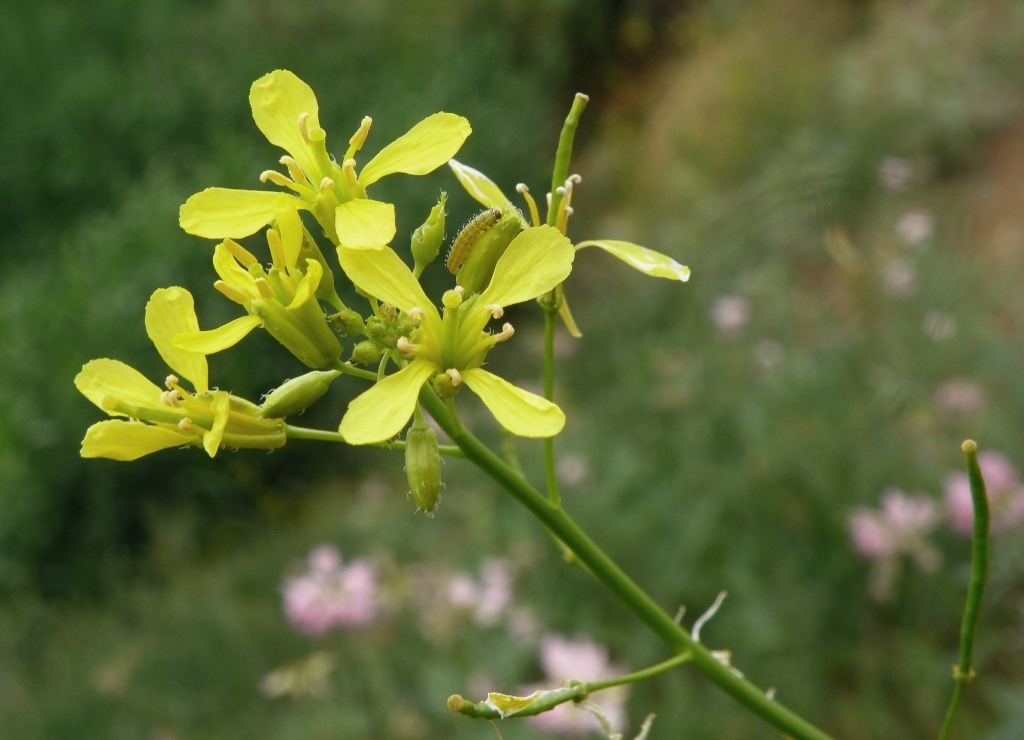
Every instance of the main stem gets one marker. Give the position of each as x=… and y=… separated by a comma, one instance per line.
x=615, y=579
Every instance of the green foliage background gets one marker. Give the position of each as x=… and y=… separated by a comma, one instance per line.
x=142, y=599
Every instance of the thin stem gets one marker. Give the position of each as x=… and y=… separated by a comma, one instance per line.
x=323, y=435
x=963, y=671
x=615, y=580
x=554, y=496
x=561, y=171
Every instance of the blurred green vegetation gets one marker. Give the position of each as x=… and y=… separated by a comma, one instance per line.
x=141, y=600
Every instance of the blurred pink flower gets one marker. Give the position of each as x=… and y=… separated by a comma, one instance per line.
x=487, y=598
x=563, y=660
x=914, y=227
x=730, y=314
x=899, y=278
x=900, y=527
x=1005, y=495
x=328, y=595
x=959, y=396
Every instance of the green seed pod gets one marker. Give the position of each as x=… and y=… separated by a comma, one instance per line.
x=423, y=466
x=426, y=240
x=297, y=394
x=348, y=322
x=480, y=244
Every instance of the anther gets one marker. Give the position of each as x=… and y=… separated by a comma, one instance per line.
x=405, y=346
x=506, y=333
x=496, y=311
x=455, y=375
x=416, y=314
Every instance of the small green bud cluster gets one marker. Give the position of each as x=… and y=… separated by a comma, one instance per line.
x=427, y=238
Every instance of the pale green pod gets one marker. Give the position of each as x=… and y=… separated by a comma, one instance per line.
x=297, y=394
x=423, y=466
x=427, y=238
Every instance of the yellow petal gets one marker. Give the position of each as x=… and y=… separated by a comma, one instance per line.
x=380, y=413
x=521, y=412
x=277, y=100
x=534, y=263
x=100, y=379
x=217, y=213
x=290, y=226
x=479, y=186
x=214, y=340
x=169, y=312
x=422, y=149
x=364, y=224
x=306, y=289
x=220, y=405
x=228, y=269
x=640, y=258
x=130, y=440
x=382, y=274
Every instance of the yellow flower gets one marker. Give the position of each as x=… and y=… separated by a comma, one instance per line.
x=281, y=300
x=449, y=348
x=286, y=111
x=482, y=189
x=157, y=419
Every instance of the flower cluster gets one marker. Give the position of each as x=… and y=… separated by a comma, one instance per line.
x=329, y=595
x=902, y=525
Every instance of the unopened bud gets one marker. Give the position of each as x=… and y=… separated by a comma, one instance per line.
x=297, y=394
x=348, y=322
x=365, y=353
x=423, y=466
x=426, y=240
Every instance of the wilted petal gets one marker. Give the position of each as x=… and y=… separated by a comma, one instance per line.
x=103, y=378
x=212, y=341
x=422, y=149
x=382, y=274
x=380, y=413
x=479, y=186
x=169, y=312
x=277, y=100
x=364, y=224
x=640, y=258
x=534, y=263
x=521, y=412
x=218, y=213
x=129, y=440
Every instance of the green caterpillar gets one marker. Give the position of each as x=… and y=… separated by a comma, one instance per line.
x=479, y=245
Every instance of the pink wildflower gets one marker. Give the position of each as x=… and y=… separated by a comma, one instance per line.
x=328, y=595
x=1005, y=495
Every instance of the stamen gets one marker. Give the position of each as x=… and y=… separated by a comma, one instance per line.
x=294, y=171
x=186, y=425
x=348, y=169
x=359, y=137
x=170, y=398
x=277, y=178
x=531, y=204
x=416, y=314
x=505, y=334
x=496, y=311
x=460, y=290
x=405, y=346
x=326, y=185
x=303, y=124
x=171, y=381
x=455, y=375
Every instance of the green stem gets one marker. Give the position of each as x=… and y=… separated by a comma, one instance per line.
x=615, y=580
x=564, y=153
x=322, y=435
x=963, y=671
x=554, y=496
x=572, y=691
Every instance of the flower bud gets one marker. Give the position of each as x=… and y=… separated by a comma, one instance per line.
x=480, y=244
x=304, y=331
x=423, y=466
x=365, y=353
x=348, y=322
x=297, y=394
x=426, y=240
